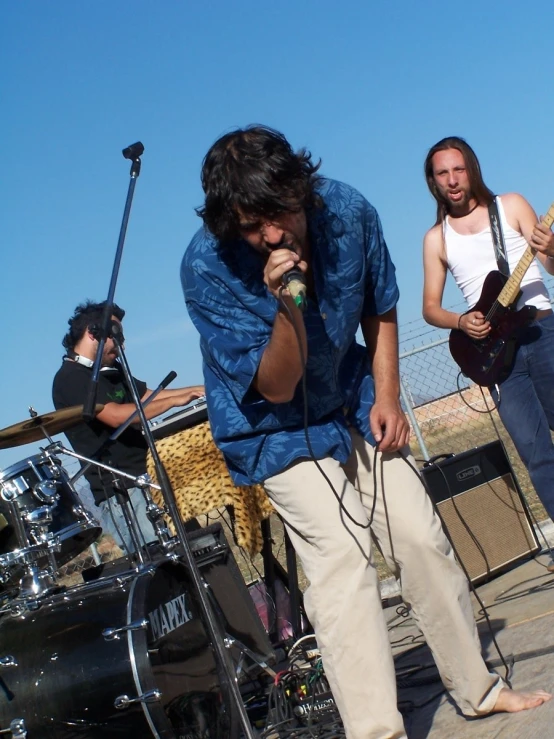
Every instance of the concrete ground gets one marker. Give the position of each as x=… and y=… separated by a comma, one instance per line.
x=520, y=605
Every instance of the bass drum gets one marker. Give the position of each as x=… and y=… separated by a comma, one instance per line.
x=123, y=657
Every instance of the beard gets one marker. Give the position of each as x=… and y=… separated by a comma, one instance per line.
x=458, y=205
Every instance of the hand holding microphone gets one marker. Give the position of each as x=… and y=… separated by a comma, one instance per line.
x=285, y=269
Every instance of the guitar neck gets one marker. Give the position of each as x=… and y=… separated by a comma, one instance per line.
x=510, y=290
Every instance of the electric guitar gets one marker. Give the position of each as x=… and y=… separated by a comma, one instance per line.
x=489, y=360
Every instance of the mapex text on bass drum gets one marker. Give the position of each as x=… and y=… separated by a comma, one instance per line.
x=126, y=656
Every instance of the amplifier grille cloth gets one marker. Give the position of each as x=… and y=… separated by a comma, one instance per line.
x=495, y=516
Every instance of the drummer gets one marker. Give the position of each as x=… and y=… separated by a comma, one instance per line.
x=128, y=452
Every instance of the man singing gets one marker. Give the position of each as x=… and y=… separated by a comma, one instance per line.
x=332, y=454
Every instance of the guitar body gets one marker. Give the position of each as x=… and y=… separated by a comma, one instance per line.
x=489, y=361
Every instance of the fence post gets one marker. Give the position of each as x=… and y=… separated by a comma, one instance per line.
x=95, y=555
x=413, y=419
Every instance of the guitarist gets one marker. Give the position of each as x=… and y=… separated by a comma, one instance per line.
x=461, y=242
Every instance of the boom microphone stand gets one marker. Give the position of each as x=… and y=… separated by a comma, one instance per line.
x=113, y=329
x=134, y=153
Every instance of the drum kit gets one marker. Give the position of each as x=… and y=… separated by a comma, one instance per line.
x=127, y=652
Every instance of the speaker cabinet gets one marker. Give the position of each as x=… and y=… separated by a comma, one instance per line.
x=220, y=570
x=483, y=509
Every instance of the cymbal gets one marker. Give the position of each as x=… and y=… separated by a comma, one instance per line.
x=53, y=423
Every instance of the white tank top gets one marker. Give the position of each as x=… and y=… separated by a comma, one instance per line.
x=471, y=257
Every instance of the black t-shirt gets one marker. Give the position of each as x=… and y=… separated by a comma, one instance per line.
x=128, y=452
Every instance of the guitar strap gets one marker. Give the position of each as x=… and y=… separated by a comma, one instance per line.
x=498, y=239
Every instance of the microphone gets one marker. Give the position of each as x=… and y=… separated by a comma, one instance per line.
x=295, y=282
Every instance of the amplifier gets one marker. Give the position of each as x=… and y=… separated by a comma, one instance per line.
x=186, y=417
x=482, y=508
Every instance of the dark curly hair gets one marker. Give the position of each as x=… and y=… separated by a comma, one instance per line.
x=479, y=190
x=87, y=316
x=255, y=171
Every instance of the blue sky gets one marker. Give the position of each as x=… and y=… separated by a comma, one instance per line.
x=368, y=87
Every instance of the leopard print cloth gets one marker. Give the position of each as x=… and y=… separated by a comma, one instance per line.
x=201, y=483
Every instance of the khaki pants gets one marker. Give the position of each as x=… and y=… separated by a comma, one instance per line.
x=343, y=600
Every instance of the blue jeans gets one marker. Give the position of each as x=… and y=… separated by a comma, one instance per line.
x=111, y=510
x=526, y=406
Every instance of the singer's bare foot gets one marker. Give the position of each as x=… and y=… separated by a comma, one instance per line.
x=512, y=701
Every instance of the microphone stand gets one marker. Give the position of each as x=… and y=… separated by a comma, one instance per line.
x=113, y=329
x=134, y=153
x=169, y=499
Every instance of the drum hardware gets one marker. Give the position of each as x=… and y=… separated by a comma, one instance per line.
x=8, y=661
x=230, y=642
x=38, y=521
x=123, y=701
x=45, y=523
x=17, y=729
x=113, y=633
x=137, y=539
x=46, y=491
x=43, y=426
x=156, y=516
x=155, y=513
x=80, y=511
x=13, y=516
x=125, y=567
x=122, y=580
x=19, y=604
x=58, y=448
x=18, y=558
x=140, y=481
x=37, y=582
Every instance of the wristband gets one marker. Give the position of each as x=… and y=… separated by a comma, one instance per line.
x=459, y=321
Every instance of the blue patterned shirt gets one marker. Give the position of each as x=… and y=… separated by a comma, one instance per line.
x=234, y=313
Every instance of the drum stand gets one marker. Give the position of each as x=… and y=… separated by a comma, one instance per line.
x=35, y=544
x=113, y=329
x=154, y=512
x=124, y=501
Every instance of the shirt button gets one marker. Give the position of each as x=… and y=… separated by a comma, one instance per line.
x=324, y=316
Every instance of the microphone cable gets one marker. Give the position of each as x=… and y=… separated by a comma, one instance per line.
x=374, y=470
x=307, y=434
